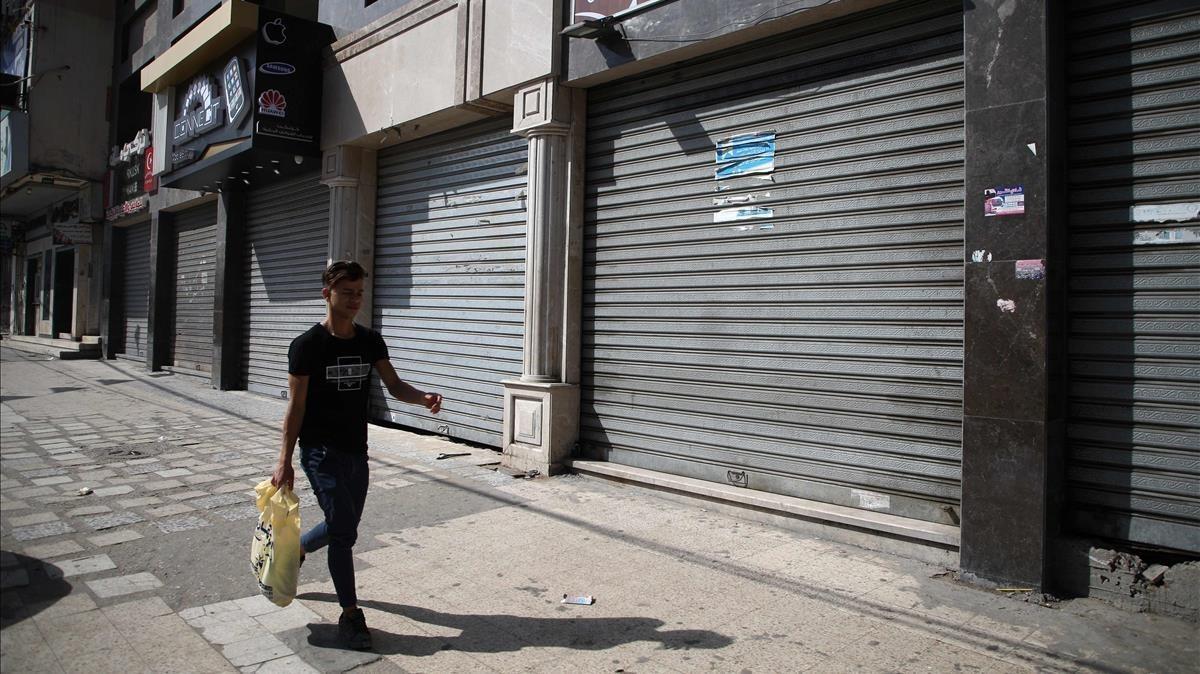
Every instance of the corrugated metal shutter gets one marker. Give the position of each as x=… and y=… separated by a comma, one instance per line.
x=816, y=353
x=195, y=278
x=135, y=291
x=1134, y=426
x=287, y=235
x=450, y=275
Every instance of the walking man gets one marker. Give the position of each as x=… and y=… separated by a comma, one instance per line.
x=328, y=367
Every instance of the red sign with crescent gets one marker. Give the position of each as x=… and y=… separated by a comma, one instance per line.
x=149, y=182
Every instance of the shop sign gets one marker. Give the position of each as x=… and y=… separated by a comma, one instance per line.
x=208, y=104
x=149, y=182
x=132, y=171
x=129, y=207
x=77, y=233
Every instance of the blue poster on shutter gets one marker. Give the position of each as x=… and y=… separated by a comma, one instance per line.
x=746, y=154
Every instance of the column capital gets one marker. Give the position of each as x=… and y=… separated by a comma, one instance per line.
x=542, y=108
x=342, y=166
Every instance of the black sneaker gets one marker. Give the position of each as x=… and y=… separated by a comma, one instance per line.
x=352, y=630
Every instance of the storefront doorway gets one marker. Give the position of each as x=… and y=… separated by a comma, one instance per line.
x=64, y=292
x=32, y=284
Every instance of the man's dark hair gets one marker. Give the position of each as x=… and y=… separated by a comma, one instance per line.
x=342, y=270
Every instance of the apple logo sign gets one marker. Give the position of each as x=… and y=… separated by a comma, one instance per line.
x=274, y=32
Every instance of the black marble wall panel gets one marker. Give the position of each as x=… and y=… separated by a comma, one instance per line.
x=1009, y=449
x=159, y=325
x=229, y=295
x=1007, y=541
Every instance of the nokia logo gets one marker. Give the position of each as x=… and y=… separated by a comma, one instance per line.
x=277, y=68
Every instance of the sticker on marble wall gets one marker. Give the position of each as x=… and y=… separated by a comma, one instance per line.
x=981, y=256
x=1166, y=237
x=744, y=213
x=871, y=500
x=1032, y=147
x=1165, y=213
x=1006, y=306
x=746, y=154
x=1004, y=201
x=1031, y=269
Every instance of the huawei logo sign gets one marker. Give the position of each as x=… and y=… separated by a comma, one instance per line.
x=271, y=102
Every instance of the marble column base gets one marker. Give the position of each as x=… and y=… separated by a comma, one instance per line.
x=541, y=425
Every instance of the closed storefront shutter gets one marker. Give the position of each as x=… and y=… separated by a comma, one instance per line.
x=135, y=291
x=1133, y=472
x=287, y=233
x=195, y=280
x=449, y=275
x=796, y=326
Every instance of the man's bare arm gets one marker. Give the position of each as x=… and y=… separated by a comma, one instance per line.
x=404, y=392
x=292, y=420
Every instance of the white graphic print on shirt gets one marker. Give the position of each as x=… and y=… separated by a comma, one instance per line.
x=349, y=373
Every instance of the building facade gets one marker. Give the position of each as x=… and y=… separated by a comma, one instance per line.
x=917, y=274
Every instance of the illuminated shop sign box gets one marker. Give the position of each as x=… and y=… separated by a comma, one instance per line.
x=252, y=116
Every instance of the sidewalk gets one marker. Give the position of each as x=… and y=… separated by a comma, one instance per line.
x=461, y=568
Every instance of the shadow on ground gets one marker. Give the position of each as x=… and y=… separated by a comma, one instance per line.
x=31, y=586
x=497, y=633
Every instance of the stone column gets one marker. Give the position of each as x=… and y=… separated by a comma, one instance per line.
x=1014, y=266
x=229, y=294
x=541, y=409
x=350, y=173
x=81, y=305
x=108, y=290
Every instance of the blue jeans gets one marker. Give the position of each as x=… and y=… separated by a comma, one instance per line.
x=339, y=479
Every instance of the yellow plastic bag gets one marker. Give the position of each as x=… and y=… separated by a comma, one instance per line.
x=275, y=551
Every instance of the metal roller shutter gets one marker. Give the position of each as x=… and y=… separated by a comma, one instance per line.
x=135, y=291
x=287, y=236
x=195, y=278
x=816, y=353
x=1133, y=470
x=450, y=275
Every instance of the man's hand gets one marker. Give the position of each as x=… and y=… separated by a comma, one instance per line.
x=284, y=475
x=432, y=402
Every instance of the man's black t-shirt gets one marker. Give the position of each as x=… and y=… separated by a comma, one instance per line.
x=338, y=369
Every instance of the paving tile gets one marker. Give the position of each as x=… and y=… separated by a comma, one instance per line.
x=294, y=616
x=174, y=472
x=110, y=520
x=292, y=664
x=161, y=485
x=84, y=511
x=143, y=469
x=43, y=472
x=243, y=471
x=116, y=537
x=256, y=650
x=169, y=510
x=139, y=502
x=52, y=550
x=122, y=585
x=181, y=524
x=246, y=489
x=31, y=492
x=116, y=490
x=236, y=513
x=203, y=478
x=69, y=568
x=76, y=602
x=228, y=628
x=96, y=475
x=217, y=500
x=44, y=530
x=185, y=495
x=37, y=518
